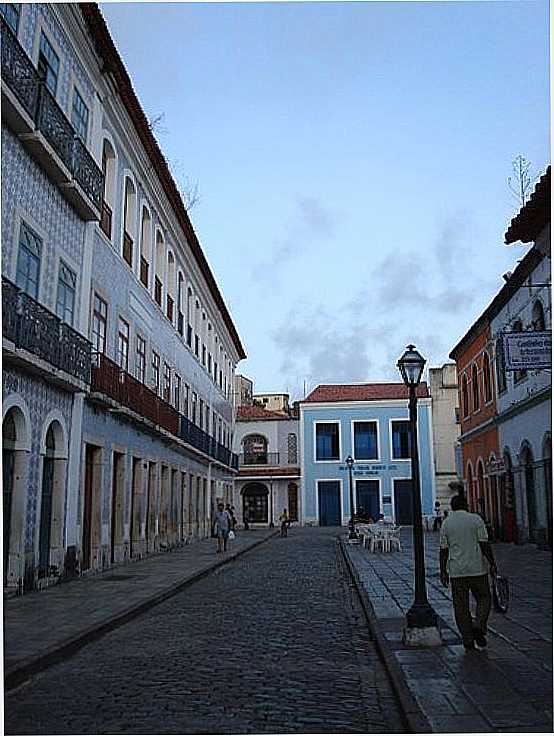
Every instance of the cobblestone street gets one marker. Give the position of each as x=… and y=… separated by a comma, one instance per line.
x=274, y=642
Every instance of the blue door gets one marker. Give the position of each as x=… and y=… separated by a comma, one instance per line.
x=367, y=498
x=329, y=503
x=403, y=503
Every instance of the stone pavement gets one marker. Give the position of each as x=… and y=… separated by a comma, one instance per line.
x=43, y=627
x=276, y=642
x=507, y=687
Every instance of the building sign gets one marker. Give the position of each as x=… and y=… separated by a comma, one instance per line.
x=527, y=350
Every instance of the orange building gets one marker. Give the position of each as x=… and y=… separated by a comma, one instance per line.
x=479, y=438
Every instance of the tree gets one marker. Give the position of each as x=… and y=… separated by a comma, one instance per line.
x=520, y=183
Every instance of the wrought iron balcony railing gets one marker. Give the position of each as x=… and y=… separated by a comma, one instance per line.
x=259, y=458
x=108, y=378
x=38, y=102
x=32, y=327
x=18, y=71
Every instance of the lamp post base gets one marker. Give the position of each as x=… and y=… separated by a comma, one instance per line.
x=429, y=636
x=421, y=616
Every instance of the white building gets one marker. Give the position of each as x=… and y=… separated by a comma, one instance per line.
x=269, y=466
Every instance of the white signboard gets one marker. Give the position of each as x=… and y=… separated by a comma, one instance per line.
x=527, y=350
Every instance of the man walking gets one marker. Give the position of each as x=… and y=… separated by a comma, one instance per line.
x=222, y=527
x=464, y=552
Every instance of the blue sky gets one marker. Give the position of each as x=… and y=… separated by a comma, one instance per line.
x=352, y=161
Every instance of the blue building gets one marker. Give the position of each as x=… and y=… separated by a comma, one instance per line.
x=370, y=422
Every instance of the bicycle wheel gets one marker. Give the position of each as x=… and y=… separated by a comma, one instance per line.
x=500, y=593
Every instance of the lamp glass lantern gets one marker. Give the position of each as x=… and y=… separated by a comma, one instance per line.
x=411, y=366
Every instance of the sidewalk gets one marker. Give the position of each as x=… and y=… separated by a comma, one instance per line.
x=508, y=687
x=44, y=627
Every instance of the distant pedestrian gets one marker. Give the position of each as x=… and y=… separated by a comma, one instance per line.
x=222, y=527
x=246, y=519
x=437, y=521
x=285, y=523
x=464, y=553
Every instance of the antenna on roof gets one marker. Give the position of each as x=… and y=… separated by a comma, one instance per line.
x=304, y=388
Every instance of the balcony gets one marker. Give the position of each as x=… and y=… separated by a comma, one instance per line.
x=32, y=112
x=259, y=458
x=110, y=380
x=33, y=328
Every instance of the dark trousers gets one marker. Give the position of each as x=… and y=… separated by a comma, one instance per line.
x=479, y=587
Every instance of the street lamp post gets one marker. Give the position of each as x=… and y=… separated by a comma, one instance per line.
x=352, y=529
x=421, y=619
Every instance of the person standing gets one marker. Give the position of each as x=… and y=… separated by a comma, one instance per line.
x=222, y=527
x=437, y=521
x=284, y=519
x=464, y=553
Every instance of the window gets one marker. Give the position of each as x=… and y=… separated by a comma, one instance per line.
x=177, y=392
x=79, y=115
x=48, y=64
x=186, y=406
x=28, y=261
x=518, y=375
x=210, y=363
x=201, y=415
x=327, y=441
x=145, y=245
x=11, y=12
x=129, y=206
x=207, y=419
x=465, y=396
x=170, y=301
x=487, y=387
x=99, y=322
x=193, y=407
x=203, y=355
x=214, y=423
x=475, y=387
x=197, y=346
x=156, y=371
x=292, y=447
x=400, y=440
x=365, y=441
x=108, y=169
x=167, y=383
x=180, y=315
x=539, y=324
x=160, y=267
x=189, y=317
x=123, y=344
x=65, y=302
x=500, y=367
x=140, y=366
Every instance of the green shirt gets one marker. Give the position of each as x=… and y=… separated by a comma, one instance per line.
x=461, y=533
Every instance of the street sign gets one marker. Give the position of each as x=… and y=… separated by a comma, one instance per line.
x=527, y=350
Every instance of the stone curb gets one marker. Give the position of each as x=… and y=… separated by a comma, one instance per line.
x=30, y=666
x=415, y=717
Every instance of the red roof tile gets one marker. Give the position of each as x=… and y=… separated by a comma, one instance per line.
x=533, y=216
x=363, y=392
x=258, y=414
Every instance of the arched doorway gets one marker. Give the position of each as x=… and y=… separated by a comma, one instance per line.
x=470, y=488
x=50, y=545
x=493, y=490
x=547, y=464
x=15, y=452
x=528, y=474
x=293, y=501
x=255, y=503
x=507, y=514
x=481, y=503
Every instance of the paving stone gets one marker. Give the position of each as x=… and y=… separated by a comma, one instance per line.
x=275, y=643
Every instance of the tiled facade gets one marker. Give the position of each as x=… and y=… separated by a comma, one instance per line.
x=101, y=461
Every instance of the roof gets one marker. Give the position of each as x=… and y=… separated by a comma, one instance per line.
x=522, y=271
x=259, y=414
x=363, y=392
x=533, y=216
x=114, y=64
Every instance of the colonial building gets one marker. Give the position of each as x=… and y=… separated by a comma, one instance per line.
x=273, y=402
x=115, y=459
x=443, y=387
x=243, y=391
x=269, y=466
x=475, y=358
x=506, y=414
x=370, y=422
